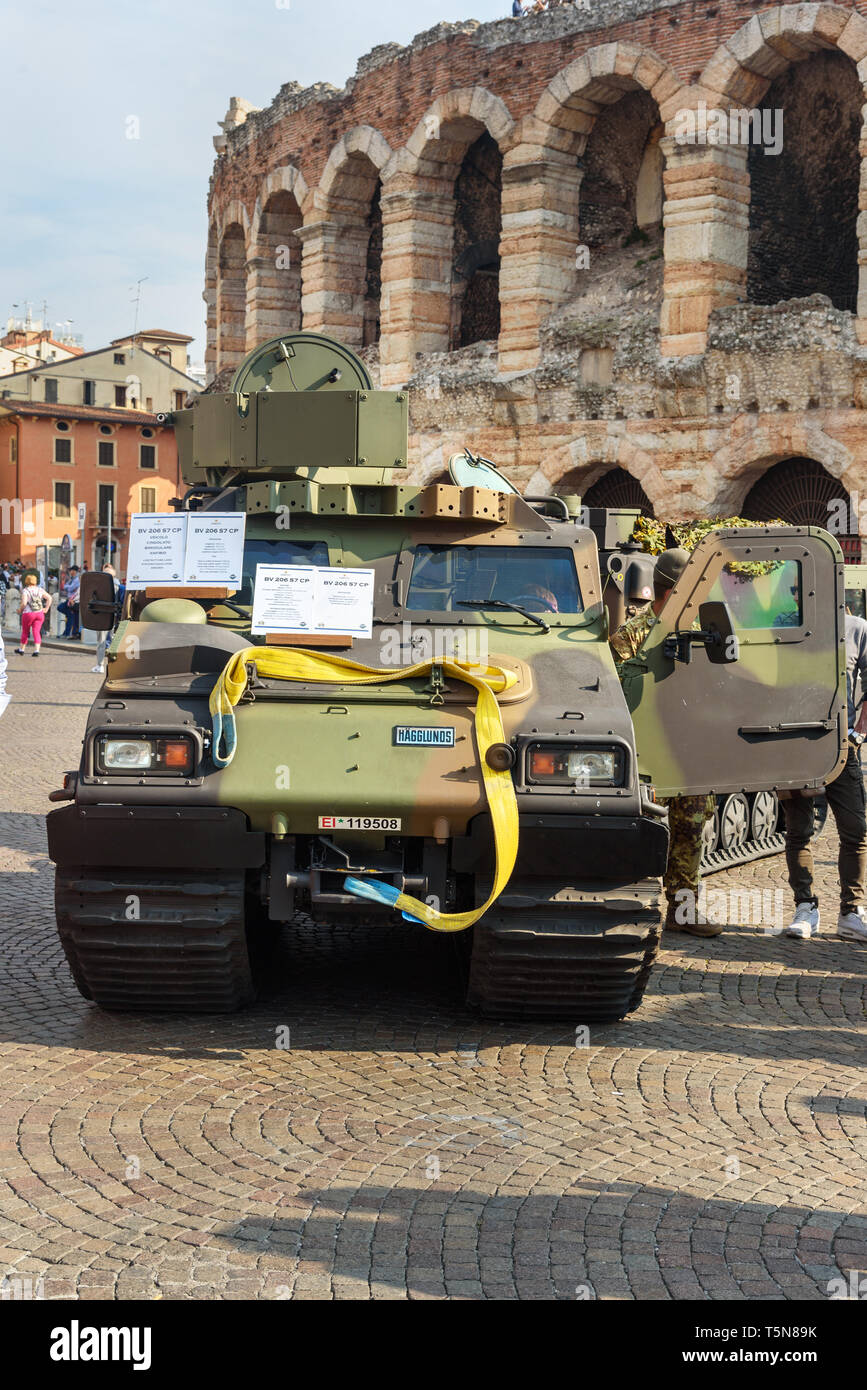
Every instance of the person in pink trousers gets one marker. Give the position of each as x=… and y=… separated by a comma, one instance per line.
x=35, y=603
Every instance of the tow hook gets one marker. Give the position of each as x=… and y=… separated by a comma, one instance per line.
x=67, y=791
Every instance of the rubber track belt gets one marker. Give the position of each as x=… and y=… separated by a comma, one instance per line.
x=295, y=664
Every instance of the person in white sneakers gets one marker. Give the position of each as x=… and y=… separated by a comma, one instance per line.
x=845, y=796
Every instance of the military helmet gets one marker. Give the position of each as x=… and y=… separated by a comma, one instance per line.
x=670, y=565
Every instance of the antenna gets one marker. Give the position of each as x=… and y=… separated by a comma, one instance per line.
x=137, y=302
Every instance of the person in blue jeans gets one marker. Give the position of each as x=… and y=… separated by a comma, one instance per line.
x=69, y=607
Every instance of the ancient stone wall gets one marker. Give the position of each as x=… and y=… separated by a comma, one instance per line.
x=561, y=233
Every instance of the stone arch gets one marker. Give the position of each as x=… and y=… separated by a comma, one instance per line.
x=707, y=242
x=438, y=261
x=274, y=268
x=363, y=141
x=573, y=99
x=739, y=465
x=596, y=453
x=209, y=295
x=343, y=236
x=800, y=491
x=590, y=158
x=742, y=68
x=457, y=118
x=232, y=258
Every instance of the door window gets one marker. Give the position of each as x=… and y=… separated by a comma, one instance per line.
x=761, y=595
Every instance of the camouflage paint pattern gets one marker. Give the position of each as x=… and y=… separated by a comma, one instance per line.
x=307, y=750
x=686, y=814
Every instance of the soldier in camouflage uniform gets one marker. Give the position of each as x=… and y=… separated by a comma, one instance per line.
x=686, y=814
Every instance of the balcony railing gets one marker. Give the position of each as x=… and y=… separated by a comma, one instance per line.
x=119, y=520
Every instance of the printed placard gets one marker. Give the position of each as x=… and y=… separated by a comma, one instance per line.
x=324, y=600
x=215, y=549
x=283, y=598
x=186, y=549
x=157, y=544
x=343, y=603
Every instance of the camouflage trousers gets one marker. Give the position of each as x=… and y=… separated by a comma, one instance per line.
x=686, y=819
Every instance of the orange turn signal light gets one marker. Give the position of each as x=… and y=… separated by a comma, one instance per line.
x=176, y=754
x=542, y=764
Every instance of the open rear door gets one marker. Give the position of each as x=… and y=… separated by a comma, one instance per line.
x=773, y=718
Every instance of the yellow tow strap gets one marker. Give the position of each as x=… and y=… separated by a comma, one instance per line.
x=297, y=664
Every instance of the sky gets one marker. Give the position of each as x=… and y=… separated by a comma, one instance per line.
x=86, y=212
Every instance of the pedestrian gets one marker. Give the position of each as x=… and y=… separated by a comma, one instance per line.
x=846, y=799
x=517, y=9
x=105, y=637
x=4, y=698
x=686, y=814
x=69, y=606
x=35, y=603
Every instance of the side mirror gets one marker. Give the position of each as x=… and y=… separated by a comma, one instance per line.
x=716, y=632
x=720, y=641
x=96, y=601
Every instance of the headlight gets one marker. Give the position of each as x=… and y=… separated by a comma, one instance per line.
x=153, y=754
x=560, y=764
x=127, y=753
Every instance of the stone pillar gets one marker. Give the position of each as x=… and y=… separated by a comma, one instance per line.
x=333, y=263
x=209, y=295
x=417, y=240
x=231, y=339
x=861, y=317
x=538, y=244
x=273, y=297
x=706, y=222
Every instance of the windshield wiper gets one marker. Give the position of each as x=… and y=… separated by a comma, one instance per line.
x=503, y=603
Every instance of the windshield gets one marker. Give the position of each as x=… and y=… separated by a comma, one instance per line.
x=540, y=580
x=280, y=552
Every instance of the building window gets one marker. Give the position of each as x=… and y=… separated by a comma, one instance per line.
x=62, y=501
x=149, y=404
x=51, y=390
x=105, y=453
x=63, y=451
x=106, y=504
x=147, y=455
x=62, y=426
x=119, y=359
x=148, y=499
x=105, y=429
x=147, y=432
x=180, y=397
x=120, y=395
x=89, y=392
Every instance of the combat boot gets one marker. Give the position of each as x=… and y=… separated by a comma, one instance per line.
x=693, y=928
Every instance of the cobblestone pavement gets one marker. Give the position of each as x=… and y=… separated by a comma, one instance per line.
x=711, y=1147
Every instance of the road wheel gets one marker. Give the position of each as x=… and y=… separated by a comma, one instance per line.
x=765, y=815
x=710, y=835
x=734, y=826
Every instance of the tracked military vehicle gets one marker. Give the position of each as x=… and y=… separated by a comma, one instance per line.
x=473, y=765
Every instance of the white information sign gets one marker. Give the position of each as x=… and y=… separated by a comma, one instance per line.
x=283, y=599
x=344, y=602
x=315, y=599
x=186, y=549
x=157, y=542
x=215, y=548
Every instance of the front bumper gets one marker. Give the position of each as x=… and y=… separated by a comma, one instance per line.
x=160, y=837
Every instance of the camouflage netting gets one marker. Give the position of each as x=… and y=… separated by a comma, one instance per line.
x=651, y=534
